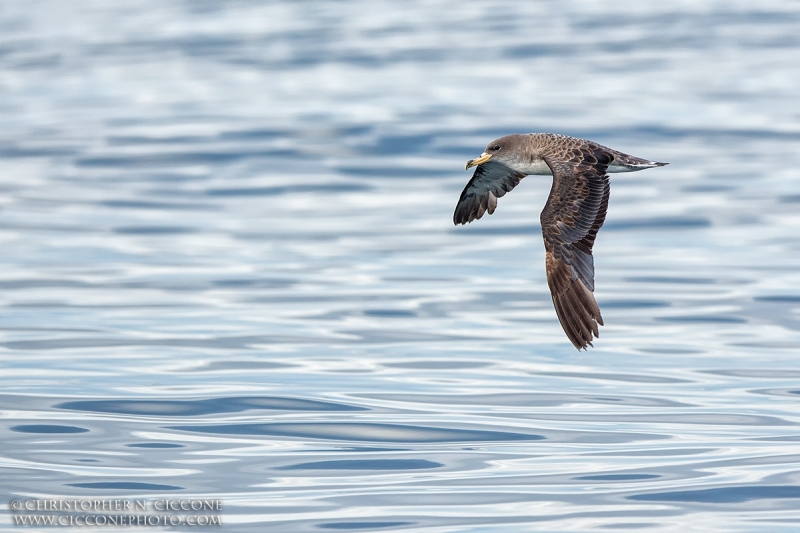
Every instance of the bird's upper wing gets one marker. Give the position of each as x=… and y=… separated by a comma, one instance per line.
x=490, y=181
x=575, y=211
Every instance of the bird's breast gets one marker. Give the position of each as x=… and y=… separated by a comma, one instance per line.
x=537, y=166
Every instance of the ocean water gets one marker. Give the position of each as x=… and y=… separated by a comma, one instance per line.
x=229, y=269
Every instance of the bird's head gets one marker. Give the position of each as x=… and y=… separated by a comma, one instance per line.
x=497, y=150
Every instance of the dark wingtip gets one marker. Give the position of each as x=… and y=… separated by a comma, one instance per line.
x=577, y=312
x=660, y=164
x=582, y=348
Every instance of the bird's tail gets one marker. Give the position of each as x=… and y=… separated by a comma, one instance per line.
x=628, y=163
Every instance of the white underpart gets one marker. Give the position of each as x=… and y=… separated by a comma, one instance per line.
x=539, y=167
x=630, y=168
x=536, y=167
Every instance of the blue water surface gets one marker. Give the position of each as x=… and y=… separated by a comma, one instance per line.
x=229, y=269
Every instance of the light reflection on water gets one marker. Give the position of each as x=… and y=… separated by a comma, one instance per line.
x=229, y=267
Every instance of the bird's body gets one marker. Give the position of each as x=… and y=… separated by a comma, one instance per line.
x=572, y=216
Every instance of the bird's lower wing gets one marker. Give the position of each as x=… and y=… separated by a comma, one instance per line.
x=574, y=213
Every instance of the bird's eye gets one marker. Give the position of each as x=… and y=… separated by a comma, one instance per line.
x=496, y=147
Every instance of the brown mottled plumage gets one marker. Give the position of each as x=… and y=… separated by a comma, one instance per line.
x=572, y=216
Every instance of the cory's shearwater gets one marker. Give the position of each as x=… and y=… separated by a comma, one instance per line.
x=574, y=212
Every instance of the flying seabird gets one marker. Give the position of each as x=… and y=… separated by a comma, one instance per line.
x=571, y=218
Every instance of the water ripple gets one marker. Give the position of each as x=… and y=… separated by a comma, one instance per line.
x=203, y=407
x=230, y=270
x=362, y=432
